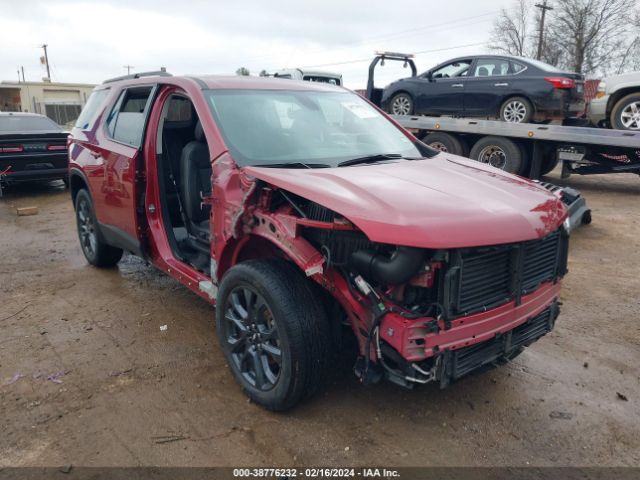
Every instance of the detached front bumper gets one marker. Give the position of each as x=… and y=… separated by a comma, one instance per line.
x=421, y=339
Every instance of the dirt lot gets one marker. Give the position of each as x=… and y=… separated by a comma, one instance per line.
x=103, y=385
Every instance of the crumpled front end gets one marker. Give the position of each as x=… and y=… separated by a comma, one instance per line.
x=419, y=314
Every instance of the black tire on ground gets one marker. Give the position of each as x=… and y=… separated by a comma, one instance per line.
x=625, y=114
x=548, y=164
x=446, y=143
x=401, y=104
x=273, y=331
x=499, y=152
x=516, y=110
x=95, y=250
x=525, y=166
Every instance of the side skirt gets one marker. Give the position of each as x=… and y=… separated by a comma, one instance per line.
x=117, y=237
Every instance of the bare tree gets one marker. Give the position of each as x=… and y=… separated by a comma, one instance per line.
x=593, y=35
x=511, y=32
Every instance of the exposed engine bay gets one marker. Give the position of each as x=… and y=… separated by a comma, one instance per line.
x=403, y=301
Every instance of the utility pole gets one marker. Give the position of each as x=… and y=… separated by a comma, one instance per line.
x=46, y=60
x=128, y=67
x=544, y=7
x=22, y=68
x=18, y=75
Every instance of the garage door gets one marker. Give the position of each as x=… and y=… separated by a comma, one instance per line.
x=62, y=106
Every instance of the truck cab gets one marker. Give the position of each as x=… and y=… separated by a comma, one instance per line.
x=310, y=76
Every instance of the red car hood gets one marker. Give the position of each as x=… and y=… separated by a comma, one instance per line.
x=443, y=202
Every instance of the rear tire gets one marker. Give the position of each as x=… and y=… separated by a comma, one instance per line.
x=516, y=110
x=548, y=164
x=446, y=142
x=500, y=153
x=626, y=113
x=273, y=331
x=95, y=250
x=401, y=104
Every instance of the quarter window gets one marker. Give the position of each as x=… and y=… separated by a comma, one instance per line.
x=517, y=67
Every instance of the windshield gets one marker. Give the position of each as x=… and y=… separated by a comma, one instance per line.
x=263, y=127
x=26, y=123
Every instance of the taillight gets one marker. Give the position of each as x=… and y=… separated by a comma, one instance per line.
x=561, y=82
x=56, y=148
x=11, y=149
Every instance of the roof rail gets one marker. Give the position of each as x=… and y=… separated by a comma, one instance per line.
x=157, y=73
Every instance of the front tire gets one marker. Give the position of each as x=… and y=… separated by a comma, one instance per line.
x=626, y=113
x=401, y=104
x=95, y=250
x=273, y=331
x=516, y=110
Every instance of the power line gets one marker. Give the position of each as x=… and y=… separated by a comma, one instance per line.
x=359, y=60
x=434, y=26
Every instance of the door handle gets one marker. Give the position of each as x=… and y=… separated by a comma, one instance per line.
x=457, y=85
x=501, y=85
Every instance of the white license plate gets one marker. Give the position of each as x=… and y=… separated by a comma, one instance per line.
x=572, y=156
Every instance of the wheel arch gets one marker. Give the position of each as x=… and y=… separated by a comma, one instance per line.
x=405, y=91
x=77, y=182
x=511, y=95
x=260, y=244
x=619, y=95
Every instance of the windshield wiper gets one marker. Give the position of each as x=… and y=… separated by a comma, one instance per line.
x=375, y=158
x=293, y=165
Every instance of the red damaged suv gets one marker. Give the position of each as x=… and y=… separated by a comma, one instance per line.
x=297, y=209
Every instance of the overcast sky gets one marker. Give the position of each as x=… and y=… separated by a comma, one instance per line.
x=91, y=41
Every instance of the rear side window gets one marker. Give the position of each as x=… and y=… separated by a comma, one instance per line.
x=180, y=110
x=492, y=67
x=321, y=79
x=92, y=107
x=517, y=67
x=126, y=121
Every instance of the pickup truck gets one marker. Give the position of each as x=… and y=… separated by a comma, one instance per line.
x=304, y=214
x=617, y=102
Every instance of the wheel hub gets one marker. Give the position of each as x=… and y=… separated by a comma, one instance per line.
x=494, y=156
x=252, y=337
x=630, y=116
x=515, y=112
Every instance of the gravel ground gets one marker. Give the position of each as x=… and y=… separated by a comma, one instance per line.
x=87, y=377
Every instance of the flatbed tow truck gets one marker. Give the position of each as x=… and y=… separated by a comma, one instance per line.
x=527, y=149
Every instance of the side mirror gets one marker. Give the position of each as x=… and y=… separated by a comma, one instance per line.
x=429, y=76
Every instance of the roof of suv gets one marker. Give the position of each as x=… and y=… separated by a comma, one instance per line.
x=230, y=82
x=264, y=83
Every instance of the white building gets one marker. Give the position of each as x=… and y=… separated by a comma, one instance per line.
x=61, y=102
